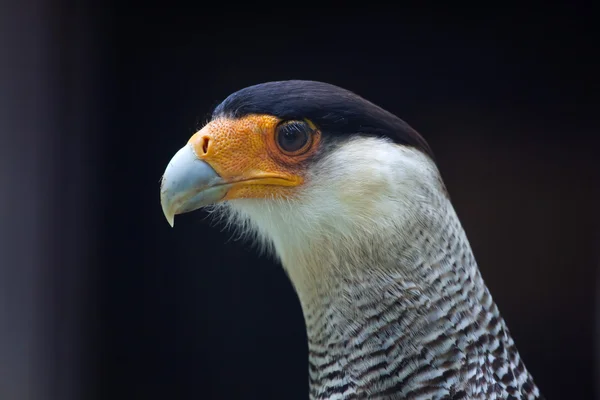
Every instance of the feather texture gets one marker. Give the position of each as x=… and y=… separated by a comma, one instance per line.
x=394, y=303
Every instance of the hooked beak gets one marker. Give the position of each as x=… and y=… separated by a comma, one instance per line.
x=188, y=184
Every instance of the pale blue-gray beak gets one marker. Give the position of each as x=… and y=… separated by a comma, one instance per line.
x=188, y=184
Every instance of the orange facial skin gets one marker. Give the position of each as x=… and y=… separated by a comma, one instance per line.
x=245, y=153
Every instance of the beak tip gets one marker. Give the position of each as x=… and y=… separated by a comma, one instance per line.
x=171, y=220
x=169, y=214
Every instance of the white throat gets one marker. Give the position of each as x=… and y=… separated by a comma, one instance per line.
x=359, y=201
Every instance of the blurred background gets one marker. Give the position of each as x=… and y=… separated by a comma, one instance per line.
x=101, y=299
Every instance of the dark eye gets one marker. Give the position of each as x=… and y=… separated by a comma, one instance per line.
x=293, y=136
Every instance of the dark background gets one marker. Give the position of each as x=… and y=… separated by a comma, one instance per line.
x=101, y=299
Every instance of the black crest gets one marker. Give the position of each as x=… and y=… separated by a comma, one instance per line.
x=334, y=110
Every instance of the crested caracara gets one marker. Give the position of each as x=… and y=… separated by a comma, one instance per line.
x=349, y=199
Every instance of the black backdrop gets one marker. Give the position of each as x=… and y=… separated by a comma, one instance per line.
x=135, y=309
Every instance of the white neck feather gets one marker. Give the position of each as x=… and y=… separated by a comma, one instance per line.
x=364, y=192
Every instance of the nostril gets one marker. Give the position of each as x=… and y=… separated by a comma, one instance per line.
x=205, y=141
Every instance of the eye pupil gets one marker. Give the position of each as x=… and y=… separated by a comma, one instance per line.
x=293, y=136
x=290, y=136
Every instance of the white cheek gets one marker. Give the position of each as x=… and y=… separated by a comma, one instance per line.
x=365, y=186
x=361, y=181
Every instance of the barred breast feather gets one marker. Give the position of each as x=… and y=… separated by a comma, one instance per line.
x=430, y=330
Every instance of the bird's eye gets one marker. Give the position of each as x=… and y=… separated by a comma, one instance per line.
x=294, y=137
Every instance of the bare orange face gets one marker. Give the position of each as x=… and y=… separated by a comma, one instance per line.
x=259, y=156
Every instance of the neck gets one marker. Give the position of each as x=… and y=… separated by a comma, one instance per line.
x=392, y=297
x=399, y=318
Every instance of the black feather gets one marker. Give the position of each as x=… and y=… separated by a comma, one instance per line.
x=335, y=111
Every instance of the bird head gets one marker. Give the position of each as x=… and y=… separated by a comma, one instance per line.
x=309, y=168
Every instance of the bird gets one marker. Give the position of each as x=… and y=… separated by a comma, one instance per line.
x=349, y=199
